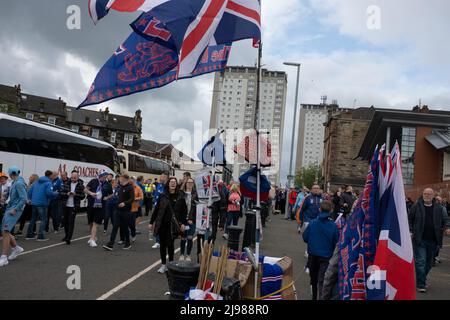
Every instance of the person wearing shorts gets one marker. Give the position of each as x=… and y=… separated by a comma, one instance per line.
x=96, y=193
x=13, y=211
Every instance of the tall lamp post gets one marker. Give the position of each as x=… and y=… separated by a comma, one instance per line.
x=291, y=174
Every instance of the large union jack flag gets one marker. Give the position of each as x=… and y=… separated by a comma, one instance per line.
x=194, y=24
x=392, y=277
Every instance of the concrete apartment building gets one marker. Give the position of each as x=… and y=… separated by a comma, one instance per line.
x=233, y=108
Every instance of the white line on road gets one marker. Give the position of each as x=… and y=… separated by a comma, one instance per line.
x=133, y=278
x=62, y=243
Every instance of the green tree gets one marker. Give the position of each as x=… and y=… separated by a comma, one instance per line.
x=309, y=175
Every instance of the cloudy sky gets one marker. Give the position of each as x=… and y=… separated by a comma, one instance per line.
x=345, y=51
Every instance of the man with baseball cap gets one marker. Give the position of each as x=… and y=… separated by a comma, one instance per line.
x=14, y=209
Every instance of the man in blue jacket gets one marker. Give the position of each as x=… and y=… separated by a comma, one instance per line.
x=321, y=235
x=40, y=195
x=13, y=212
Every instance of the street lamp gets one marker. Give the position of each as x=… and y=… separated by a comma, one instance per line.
x=291, y=174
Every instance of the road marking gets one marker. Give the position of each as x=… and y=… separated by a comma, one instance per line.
x=61, y=243
x=133, y=278
x=51, y=246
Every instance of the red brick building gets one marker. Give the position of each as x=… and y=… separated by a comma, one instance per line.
x=424, y=139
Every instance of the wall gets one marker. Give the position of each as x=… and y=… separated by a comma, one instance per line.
x=343, y=139
x=428, y=160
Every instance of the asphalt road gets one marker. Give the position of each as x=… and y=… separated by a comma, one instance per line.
x=41, y=272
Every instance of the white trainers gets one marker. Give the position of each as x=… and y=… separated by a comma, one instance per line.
x=120, y=242
x=15, y=252
x=3, y=261
x=162, y=269
x=155, y=246
x=181, y=258
x=188, y=258
x=133, y=239
x=93, y=244
x=225, y=236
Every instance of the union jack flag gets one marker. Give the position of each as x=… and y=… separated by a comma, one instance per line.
x=194, y=24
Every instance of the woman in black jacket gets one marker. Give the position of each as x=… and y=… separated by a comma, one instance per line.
x=165, y=221
x=187, y=238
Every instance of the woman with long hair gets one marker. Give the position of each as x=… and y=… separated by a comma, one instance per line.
x=165, y=221
x=187, y=238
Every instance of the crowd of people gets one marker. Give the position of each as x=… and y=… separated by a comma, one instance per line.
x=320, y=217
x=121, y=201
x=116, y=201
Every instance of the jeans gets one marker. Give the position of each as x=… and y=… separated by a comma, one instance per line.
x=54, y=212
x=232, y=216
x=148, y=202
x=69, y=222
x=42, y=213
x=132, y=223
x=317, y=268
x=187, y=238
x=109, y=214
x=122, y=222
x=423, y=256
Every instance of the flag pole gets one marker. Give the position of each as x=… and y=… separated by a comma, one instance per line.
x=258, y=165
x=211, y=178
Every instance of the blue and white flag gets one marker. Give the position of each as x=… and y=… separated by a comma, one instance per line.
x=213, y=152
x=140, y=64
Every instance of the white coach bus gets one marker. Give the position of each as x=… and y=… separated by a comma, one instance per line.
x=135, y=164
x=35, y=148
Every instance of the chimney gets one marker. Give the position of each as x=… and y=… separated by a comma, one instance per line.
x=138, y=120
x=106, y=114
x=424, y=109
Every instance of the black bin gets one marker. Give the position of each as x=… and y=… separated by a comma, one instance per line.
x=250, y=229
x=234, y=237
x=182, y=276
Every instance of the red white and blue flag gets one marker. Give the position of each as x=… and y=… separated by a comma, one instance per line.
x=375, y=250
x=173, y=39
x=392, y=275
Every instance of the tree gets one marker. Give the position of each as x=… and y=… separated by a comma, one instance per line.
x=309, y=175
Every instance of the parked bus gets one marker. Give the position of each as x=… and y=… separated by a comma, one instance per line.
x=135, y=164
x=36, y=147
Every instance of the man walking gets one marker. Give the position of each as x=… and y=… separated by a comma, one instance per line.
x=72, y=193
x=55, y=206
x=427, y=223
x=40, y=195
x=4, y=194
x=13, y=211
x=321, y=235
x=96, y=192
x=124, y=202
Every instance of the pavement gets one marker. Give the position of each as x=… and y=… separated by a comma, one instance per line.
x=41, y=272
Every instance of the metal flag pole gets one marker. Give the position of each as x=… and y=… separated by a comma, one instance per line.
x=258, y=165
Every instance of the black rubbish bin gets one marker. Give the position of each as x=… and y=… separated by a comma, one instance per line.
x=182, y=276
x=250, y=229
x=234, y=237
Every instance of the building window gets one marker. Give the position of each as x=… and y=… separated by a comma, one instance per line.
x=95, y=133
x=75, y=129
x=113, y=137
x=128, y=140
x=51, y=120
x=29, y=116
x=408, y=150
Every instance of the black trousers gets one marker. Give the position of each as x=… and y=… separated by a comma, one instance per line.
x=69, y=222
x=148, y=202
x=166, y=245
x=317, y=268
x=122, y=221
